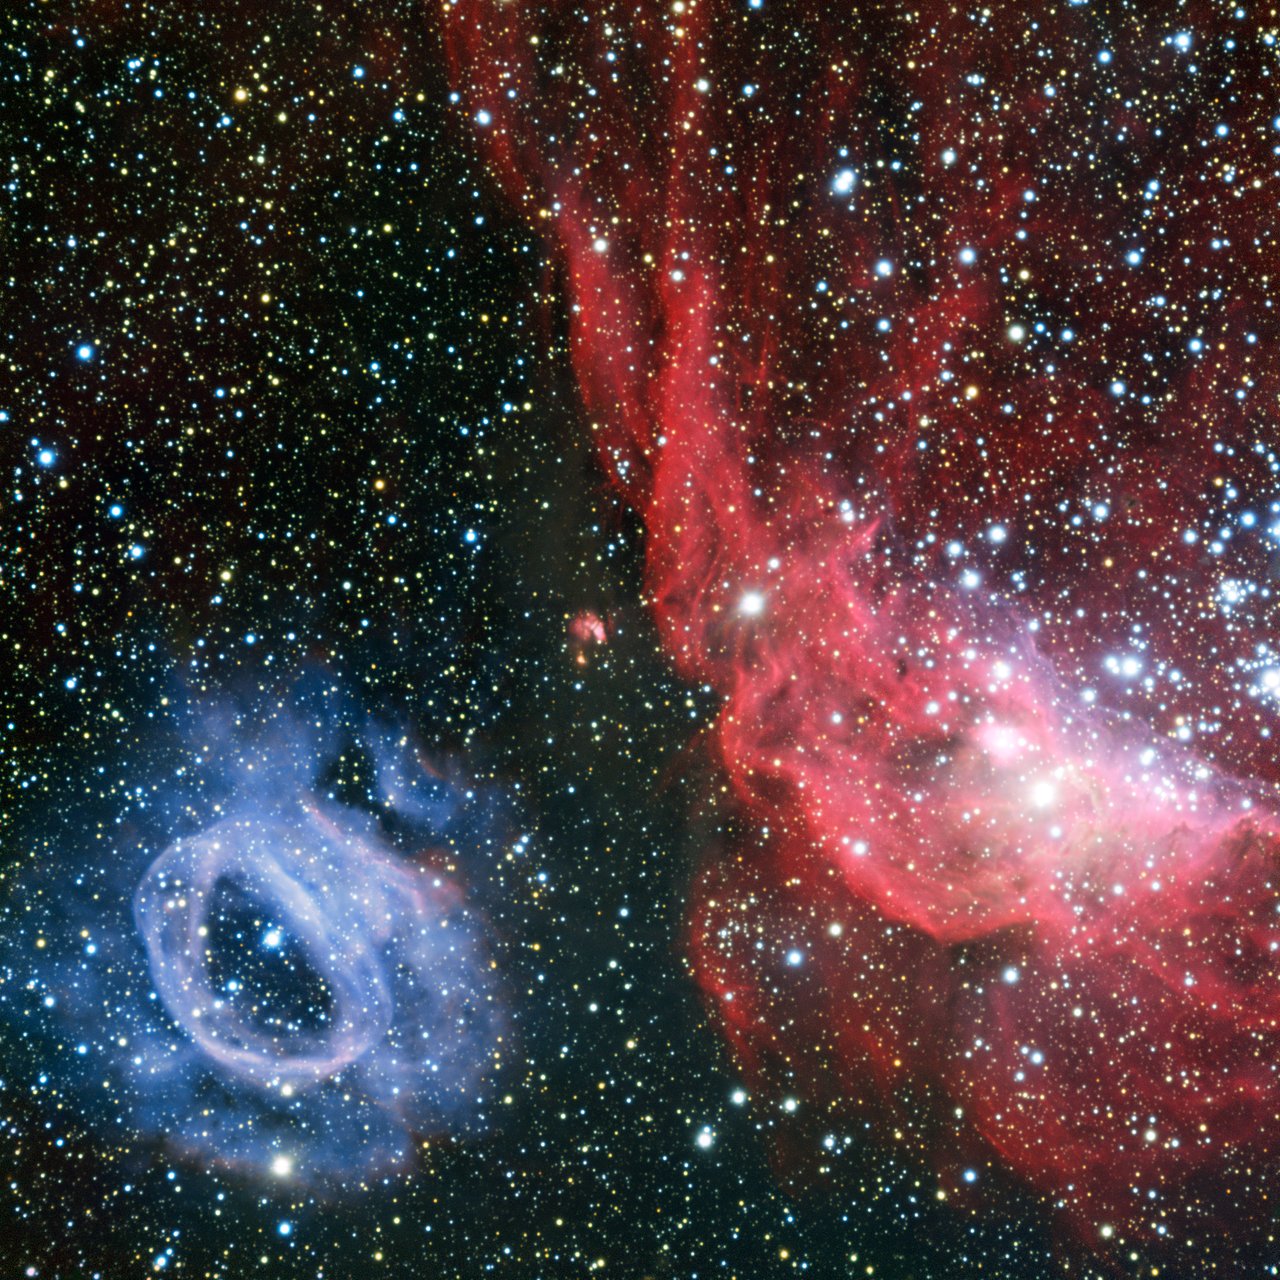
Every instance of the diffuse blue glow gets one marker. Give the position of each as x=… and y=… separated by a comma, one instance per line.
x=300, y=989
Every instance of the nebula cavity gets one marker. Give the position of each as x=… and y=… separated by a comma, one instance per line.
x=306, y=960
x=287, y=973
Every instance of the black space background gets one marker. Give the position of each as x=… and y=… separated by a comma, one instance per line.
x=256, y=512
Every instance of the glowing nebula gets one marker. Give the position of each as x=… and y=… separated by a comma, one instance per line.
x=390, y=1004
x=957, y=522
x=302, y=989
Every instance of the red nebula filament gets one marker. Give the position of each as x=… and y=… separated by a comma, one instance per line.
x=935, y=350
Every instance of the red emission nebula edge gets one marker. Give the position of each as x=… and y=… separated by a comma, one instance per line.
x=936, y=351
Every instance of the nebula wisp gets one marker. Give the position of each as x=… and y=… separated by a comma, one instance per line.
x=278, y=972
x=917, y=463
x=379, y=941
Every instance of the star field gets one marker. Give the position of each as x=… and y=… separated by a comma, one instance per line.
x=638, y=640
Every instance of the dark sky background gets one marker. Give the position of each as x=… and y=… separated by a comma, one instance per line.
x=307, y=316
x=284, y=391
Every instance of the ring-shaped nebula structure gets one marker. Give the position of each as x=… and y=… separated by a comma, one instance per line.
x=283, y=974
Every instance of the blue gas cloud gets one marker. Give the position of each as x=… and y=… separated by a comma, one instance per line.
x=272, y=959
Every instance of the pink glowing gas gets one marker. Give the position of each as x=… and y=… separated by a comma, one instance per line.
x=917, y=476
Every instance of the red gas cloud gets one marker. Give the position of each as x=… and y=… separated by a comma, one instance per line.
x=933, y=348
